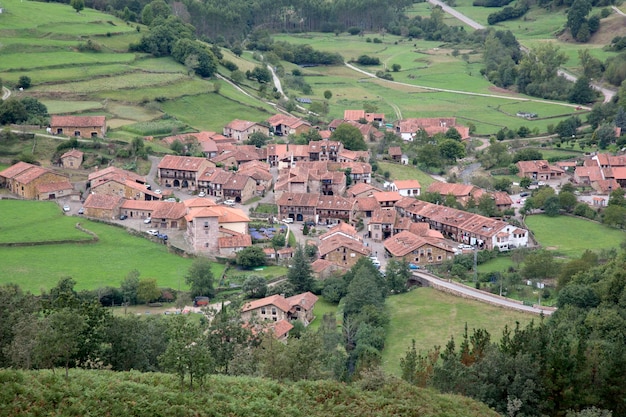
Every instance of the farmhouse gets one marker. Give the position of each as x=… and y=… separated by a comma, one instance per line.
x=276, y=308
x=539, y=170
x=395, y=153
x=79, y=126
x=361, y=115
x=417, y=249
x=164, y=214
x=407, y=188
x=283, y=125
x=33, y=182
x=298, y=206
x=182, y=171
x=241, y=130
x=408, y=128
x=102, y=206
x=461, y=192
x=72, y=159
x=343, y=251
x=239, y=187
x=112, y=172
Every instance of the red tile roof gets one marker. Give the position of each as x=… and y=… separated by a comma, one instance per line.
x=182, y=163
x=54, y=186
x=16, y=169
x=395, y=151
x=407, y=184
x=339, y=241
x=387, y=196
x=298, y=200
x=73, y=153
x=360, y=188
x=275, y=300
x=235, y=240
x=406, y=242
x=240, y=125
x=384, y=216
x=102, y=201
x=77, y=121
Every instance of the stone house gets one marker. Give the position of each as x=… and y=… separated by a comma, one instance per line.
x=79, y=126
x=241, y=130
x=181, y=171
x=72, y=159
x=102, y=206
x=418, y=250
x=276, y=308
x=33, y=182
x=239, y=187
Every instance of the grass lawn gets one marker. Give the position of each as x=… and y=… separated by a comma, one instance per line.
x=18, y=218
x=405, y=172
x=499, y=264
x=91, y=265
x=323, y=307
x=431, y=317
x=238, y=276
x=571, y=236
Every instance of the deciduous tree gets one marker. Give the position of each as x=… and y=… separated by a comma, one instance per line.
x=200, y=278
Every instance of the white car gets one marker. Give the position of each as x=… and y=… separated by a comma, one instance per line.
x=287, y=220
x=229, y=202
x=152, y=232
x=157, y=191
x=66, y=208
x=148, y=220
x=201, y=194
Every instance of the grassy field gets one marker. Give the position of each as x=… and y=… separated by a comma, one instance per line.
x=323, y=307
x=432, y=317
x=92, y=265
x=406, y=172
x=571, y=236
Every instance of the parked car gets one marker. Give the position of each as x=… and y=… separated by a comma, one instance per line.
x=157, y=191
x=310, y=223
x=229, y=202
x=123, y=217
x=162, y=236
x=524, y=194
x=148, y=220
x=66, y=208
x=414, y=267
x=201, y=194
x=81, y=210
x=287, y=220
x=152, y=232
x=200, y=301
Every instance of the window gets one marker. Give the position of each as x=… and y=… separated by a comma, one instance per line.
x=273, y=311
x=206, y=224
x=262, y=310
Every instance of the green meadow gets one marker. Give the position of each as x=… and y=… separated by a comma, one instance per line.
x=571, y=236
x=91, y=264
x=431, y=317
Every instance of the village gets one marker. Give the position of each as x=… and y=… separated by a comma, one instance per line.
x=199, y=202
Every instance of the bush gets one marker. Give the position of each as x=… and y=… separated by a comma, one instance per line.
x=354, y=30
x=24, y=82
x=368, y=60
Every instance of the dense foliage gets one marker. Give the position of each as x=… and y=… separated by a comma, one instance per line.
x=153, y=394
x=572, y=361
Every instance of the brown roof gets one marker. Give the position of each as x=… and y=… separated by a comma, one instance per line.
x=182, y=163
x=199, y=202
x=31, y=174
x=335, y=202
x=305, y=300
x=55, y=186
x=237, y=182
x=223, y=213
x=115, y=172
x=235, y=240
x=395, y=151
x=339, y=241
x=281, y=328
x=343, y=228
x=102, y=201
x=405, y=242
x=385, y=196
x=281, y=119
x=275, y=300
x=407, y=184
x=73, y=153
x=321, y=264
x=298, y=199
x=77, y=121
x=457, y=190
x=367, y=203
x=169, y=210
x=240, y=125
x=16, y=169
x=361, y=187
x=384, y=216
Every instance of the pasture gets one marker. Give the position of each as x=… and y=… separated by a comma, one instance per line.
x=406, y=172
x=571, y=236
x=92, y=265
x=432, y=317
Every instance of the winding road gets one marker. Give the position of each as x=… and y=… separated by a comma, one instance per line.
x=607, y=92
x=6, y=93
x=485, y=297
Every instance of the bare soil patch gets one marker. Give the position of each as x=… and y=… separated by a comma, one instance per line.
x=500, y=90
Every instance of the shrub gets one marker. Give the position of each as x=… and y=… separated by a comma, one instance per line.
x=354, y=30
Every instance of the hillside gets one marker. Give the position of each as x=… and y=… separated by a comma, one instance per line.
x=103, y=393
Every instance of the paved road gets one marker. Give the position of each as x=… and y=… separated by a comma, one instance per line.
x=472, y=23
x=482, y=296
x=6, y=93
x=607, y=92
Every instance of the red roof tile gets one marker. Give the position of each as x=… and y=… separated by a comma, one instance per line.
x=77, y=121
